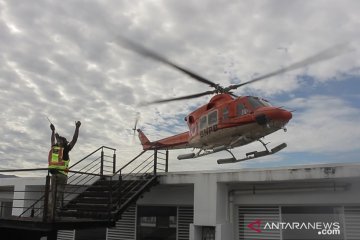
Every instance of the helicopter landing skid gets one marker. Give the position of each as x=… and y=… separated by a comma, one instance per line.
x=254, y=154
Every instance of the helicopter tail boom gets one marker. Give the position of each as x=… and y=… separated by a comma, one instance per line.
x=145, y=142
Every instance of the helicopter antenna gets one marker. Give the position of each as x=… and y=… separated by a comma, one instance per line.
x=49, y=119
x=51, y=123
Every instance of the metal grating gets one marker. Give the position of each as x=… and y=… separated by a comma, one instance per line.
x=247, y=215
x=125, y=228
x=352, y=223
x=185, y=216
x=66, y=235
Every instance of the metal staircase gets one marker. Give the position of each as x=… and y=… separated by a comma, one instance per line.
x=96, y=194
x=110, y=195
x=107, y=198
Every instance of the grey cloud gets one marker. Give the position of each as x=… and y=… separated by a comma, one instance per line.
x=67, y=63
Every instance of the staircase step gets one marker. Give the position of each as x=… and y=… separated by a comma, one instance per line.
x=94, y=201
x=89, y=207
x=85, y=214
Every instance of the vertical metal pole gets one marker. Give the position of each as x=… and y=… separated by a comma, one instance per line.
x=119, y=190
x=110, y=203
x=102, y=162
x=46, y=198
x=167, y=161
x=155, y=161
x=114, y=162
x=55, y=200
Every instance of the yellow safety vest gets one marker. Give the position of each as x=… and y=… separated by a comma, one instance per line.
x=56, y=161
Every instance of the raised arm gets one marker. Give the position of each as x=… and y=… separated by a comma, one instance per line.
x=76, y=135
x=52, y=127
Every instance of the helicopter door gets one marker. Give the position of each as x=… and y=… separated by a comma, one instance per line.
x=208, y=123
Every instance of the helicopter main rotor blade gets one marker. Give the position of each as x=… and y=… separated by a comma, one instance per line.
x=182, y=98
x=319, y=57
x=148, y=53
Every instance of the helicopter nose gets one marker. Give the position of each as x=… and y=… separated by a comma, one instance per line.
x=279, y=114
x=286, y=115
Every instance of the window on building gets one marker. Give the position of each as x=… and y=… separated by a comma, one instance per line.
x=5, y=209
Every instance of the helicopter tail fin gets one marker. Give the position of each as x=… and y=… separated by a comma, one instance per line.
x=145, y=142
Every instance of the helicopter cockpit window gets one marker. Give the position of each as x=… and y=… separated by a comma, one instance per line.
x=203, y=122
x=257, y=102
x=213, y=118
x=241, y=109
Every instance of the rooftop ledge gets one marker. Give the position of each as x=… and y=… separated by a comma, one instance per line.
x=295, y=172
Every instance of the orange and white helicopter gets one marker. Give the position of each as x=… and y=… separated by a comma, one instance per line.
x=227, y=121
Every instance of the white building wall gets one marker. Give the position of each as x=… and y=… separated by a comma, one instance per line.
x=215, y=194
x=313, y=196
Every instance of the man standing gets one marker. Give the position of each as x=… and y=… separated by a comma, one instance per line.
x=59, y=164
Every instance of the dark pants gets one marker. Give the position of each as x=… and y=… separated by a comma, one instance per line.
x=57, y=188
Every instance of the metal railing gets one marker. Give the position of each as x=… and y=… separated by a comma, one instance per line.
x=34, y=201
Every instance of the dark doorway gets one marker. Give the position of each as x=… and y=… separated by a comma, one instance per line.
x=156, y=223
x=208, y=233
x=90, y=234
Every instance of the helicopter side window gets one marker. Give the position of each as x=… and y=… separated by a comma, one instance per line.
x=213, y=118
x=203, y=122
x=241, y=109
x=226, y=113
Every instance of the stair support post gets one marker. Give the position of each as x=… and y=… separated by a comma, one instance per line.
x=155, y=161
x=114, y=162
x=102, y=162
x=119, y=190
x=167, y=161
x=46, y=197
x=110, y=199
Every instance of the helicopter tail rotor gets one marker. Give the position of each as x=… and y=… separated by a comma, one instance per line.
x=137, y=118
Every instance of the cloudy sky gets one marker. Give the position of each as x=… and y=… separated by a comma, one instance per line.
x=63, y=60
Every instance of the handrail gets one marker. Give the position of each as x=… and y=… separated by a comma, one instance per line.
x=102, y=147
x=45, y=169
x=132, y=176
x=118, y=171
x=84, y=176
x=24, y=169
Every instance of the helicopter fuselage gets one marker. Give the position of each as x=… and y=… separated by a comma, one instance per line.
x=225, y=122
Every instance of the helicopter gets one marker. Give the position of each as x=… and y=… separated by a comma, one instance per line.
x=227, y=121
